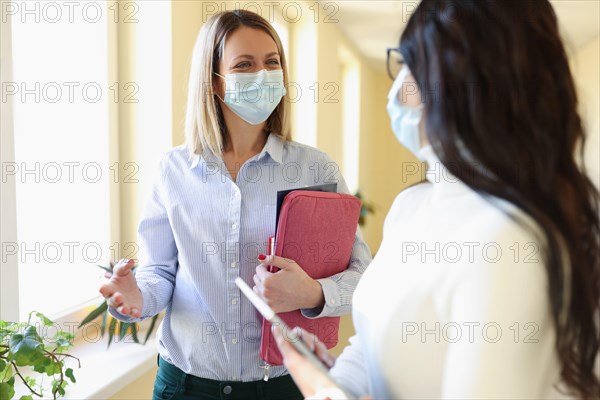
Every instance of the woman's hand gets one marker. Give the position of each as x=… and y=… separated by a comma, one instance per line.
x=309, y=379
x=121, y=291
x=288, y=289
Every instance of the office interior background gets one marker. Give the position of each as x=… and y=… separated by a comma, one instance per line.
x=95, y=91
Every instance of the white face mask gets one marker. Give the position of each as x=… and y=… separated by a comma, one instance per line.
x=405, y=120
x=253, y=96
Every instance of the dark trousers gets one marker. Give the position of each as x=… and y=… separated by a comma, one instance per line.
x=173, y=383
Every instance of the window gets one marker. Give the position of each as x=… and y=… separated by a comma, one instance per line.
x=86, y=143
x=60, y=95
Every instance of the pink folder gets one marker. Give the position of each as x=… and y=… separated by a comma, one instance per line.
x=315, y=229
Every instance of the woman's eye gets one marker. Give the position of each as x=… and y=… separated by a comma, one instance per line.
x=273, y=61
x=242, y=65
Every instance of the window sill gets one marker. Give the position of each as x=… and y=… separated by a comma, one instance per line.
x=104, y=373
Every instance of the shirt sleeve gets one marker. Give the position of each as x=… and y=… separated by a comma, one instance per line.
x=157, y=266
x=508, y=350
x=350, y=371
x=338, y=288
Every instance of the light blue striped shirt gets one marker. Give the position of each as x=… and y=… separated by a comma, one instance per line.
x=200, y=230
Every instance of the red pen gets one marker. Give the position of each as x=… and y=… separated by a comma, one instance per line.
x=270, y=252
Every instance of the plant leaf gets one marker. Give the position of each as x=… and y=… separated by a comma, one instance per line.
x=94, y=314
x=26, y=348
x=134, y=332
x=104, y=268
x=58, y=386
x=7, y=391
x=30, y=381
x=69, y=374
x=26, y=397
x=103, y=327
x=54, y=368
x=123, y=326
x=45, y=320
x=63, y=340
x=154, y=319
x=111, y=330
x=41, y=364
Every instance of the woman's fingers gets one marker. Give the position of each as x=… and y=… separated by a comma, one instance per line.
x=106, y=290
x=123, y=267
x=261, y=271
x=121, y=291
x=311, y=341
x=287, y=350
x=123, y=309
x=122, y=306
x=318, y=347
x=257, y=281
x=118, y=298
x=110, y=301
x=322, y=352
x=280, y=262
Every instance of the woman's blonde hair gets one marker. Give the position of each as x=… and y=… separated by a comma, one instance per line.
x=204, y=124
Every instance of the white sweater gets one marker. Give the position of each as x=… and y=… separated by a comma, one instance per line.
x=455, y=304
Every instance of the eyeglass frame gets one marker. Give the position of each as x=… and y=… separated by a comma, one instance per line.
x=387, y=63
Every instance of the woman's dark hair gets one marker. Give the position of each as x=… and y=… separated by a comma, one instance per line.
x=497, y=88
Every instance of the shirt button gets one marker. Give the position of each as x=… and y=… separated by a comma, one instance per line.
x=332, y=300
x=234, y=301
x=233, y=226
x=233, y=264
x=234, y=341
x=227, y=389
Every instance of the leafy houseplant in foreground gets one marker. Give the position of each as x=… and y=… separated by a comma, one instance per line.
x=115, y=327
x=24, y=347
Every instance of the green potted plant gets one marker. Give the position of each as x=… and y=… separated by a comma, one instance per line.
x=114, y=327
x=24, y=347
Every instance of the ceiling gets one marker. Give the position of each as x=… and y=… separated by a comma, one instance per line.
x=374, y=25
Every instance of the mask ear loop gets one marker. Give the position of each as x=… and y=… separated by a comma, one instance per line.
x=215, y=93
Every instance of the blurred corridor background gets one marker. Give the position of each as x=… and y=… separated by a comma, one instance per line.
x=95, y=92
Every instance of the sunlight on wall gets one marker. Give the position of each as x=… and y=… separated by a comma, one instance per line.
x=350, y=94
x=585, y=65
x=145, y=111
x=153, y=72
x=303, y=72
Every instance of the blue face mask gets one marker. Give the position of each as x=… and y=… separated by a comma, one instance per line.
x=253, y=96
x=405, y=120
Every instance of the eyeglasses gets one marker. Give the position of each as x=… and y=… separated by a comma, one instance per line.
x=395, y=61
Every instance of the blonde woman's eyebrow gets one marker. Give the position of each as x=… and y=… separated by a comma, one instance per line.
x=251, y=57
x=245, y=56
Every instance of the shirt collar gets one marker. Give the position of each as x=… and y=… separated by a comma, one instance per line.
x=193, y=159
x=273, y=147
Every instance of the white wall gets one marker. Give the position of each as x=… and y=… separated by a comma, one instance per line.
x=585, y=65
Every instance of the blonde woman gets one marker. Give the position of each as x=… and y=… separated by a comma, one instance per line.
x=210, y=214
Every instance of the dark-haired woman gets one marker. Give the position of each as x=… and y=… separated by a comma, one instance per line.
x=487, y=278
